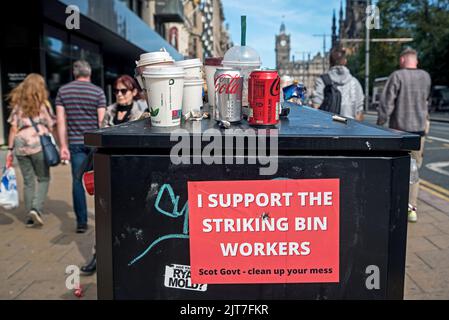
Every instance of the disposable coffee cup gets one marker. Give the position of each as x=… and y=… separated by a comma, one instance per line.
x=192, y=67
x=164, y=87
x=154, y=59
x=211, y=65
x=192, y=98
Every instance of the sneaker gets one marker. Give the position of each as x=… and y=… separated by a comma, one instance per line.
x=36, y=216
x=81, y=228
x=29, y=223
x=412, y=216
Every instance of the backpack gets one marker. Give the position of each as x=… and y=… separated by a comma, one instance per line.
x=332, y=96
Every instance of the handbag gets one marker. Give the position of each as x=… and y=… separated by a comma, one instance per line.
x=49, y=148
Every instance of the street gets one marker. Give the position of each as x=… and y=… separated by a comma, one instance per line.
x=435, y=170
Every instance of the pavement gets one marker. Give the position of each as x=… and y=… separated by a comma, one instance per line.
x=437, y=116
x=33, y=261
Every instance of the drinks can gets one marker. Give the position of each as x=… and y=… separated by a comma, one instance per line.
x=263, y=97
x=228, y=84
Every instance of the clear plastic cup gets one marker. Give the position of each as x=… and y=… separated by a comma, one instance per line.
x=246, y=59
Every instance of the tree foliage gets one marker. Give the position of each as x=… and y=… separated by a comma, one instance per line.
x=426, y=21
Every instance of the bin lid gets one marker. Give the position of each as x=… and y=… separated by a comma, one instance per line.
x=305, y=129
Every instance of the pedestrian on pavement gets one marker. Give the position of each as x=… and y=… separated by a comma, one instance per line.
x=29, y=103
x=80, y=107
x=349, y=98
x=127, y=106
x=404, y=103
x=125, y=109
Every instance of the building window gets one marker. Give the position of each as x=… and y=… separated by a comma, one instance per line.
x=173, y=37
x=139, y=8
x=194, y=47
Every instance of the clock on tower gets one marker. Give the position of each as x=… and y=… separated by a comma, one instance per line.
x=282, y=48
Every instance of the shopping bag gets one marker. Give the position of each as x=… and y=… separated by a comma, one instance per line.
x=88, y=182
x=9, y=197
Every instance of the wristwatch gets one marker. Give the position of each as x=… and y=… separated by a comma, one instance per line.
x=10, y=149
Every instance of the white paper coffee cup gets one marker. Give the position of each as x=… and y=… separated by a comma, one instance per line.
x=211, y=65
x=192, y=67
x=164, y=87
x=192, y=98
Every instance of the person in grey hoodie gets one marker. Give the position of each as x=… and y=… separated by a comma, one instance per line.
x=352, y=97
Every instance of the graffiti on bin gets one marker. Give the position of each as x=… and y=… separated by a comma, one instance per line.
x=165, y=190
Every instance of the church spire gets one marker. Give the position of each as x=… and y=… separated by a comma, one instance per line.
x=282, y=27
x=334, y=30
x=341, y=11
x=340, y=21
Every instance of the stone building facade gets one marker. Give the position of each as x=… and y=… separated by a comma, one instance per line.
x=304, y=71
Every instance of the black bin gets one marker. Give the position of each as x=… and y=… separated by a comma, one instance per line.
x=142, y=218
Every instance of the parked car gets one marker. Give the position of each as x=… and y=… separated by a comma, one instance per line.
x=378, y=86
x=440, y=99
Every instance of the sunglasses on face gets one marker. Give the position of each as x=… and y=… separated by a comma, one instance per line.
x=122, y=91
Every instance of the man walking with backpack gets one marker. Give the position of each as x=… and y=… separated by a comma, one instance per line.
x=337, y=91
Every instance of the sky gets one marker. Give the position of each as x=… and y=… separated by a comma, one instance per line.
x=302, y=18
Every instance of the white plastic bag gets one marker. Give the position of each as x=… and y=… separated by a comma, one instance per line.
x=414, y=175
x=9, y=197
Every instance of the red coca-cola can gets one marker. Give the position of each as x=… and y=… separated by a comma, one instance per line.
x=228, y=95
x=263, y=97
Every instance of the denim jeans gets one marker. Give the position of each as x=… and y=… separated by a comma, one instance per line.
x=78, y=158
x=32, y=167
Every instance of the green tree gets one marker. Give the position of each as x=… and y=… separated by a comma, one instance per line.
x=427, y=22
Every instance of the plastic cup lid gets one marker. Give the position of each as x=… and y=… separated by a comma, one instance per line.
x=164, y=72
x=189, y=63
x=242, y=56
x=214, y=61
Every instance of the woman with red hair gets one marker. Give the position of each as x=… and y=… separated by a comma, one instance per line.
x=127, y=106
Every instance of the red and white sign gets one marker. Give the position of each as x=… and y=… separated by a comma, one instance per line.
x=277, y=231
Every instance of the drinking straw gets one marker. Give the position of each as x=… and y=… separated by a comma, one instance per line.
x=243, y=29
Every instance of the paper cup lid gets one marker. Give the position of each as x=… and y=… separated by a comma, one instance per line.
x=189, y=63
x=193, y=81
x=154, y=57
x=164, y=72
x=215, y=61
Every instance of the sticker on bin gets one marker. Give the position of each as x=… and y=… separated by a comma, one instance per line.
x=177, y=276
x=277, y=231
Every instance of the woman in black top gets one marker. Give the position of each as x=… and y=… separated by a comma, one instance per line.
x=128, y=105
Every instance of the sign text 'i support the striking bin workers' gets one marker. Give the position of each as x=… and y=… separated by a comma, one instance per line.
x=278, y=231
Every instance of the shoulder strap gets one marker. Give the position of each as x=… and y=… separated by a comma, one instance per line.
x=326, y=79
x=34, y=125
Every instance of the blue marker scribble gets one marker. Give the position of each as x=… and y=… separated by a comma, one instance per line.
x=166, y=237
x=174, y=214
